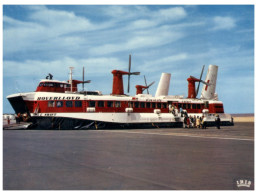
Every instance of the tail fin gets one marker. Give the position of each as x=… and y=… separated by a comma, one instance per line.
x=163, y=86
x=208, y=92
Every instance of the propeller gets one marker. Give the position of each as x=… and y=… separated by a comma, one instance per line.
x=197, y=91
x=131, y=73
x=147, y=86
x=88, y=81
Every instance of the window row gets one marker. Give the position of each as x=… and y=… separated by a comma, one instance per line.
x=48, y=84
x=189, y=106
x=117, y=104
x=68, y=104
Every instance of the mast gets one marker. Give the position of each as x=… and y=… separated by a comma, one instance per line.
x=83, y=78
x=70, y=79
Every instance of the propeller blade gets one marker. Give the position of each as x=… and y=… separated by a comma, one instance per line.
x=88, y=81
x=129, y=73
x=205, y=83
x=145, y=80
x=146, y=84
x=135, y=73
x=128, y=83
x=151, y=84
x=129, y=63
x=197, y=91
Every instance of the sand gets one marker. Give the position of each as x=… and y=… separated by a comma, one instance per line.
x=244, y=119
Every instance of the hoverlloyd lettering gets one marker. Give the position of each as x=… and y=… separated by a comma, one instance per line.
x=59, y=98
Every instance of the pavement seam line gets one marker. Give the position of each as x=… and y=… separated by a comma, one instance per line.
x=170, y=134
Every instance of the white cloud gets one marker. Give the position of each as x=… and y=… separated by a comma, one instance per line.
x=60, y=67
x=141, y=39
x=143, y=24
x=125, y=12
x=174, y=13
x=165, y=62
x=223, y=23
x=46, y=30
x=61, y=22
x=57, y=32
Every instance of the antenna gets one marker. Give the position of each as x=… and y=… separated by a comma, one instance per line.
x=83, y=78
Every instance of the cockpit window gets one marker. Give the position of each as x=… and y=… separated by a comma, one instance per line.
x=48, y=84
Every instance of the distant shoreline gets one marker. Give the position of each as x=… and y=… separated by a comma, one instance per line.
x=243, y=115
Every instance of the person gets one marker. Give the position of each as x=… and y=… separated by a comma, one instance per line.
x=18, y=118
x=25, y=117
x=198, y=122
x=8, y=120
x=217, y=121
x=188, y=122
x=194, y=121
x=173, y=110
x=191, y=122
x=185, y=122
x=176, y=112
x=203, y=123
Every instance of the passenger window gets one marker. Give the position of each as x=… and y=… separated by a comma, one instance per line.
x=158, y=105
x=130, y=104
x=206, y=104
x=78, y=104
x=142, y=104
x=110, y=104
x=117, y=104
x=69, y=104
x=153, y=105
x=148, y=105
x=136, y=104
x=194, y=106
x=164, y=105
x=92, y=104
x=184, y=106
x=100, y=104
x=59, y=104
x=51, y=104
x=198, y=106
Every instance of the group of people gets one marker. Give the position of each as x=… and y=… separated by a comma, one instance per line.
x=198, y=122
x=194, y=122
x=173, y=110
x=21, y=117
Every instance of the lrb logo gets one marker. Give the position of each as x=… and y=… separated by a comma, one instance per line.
x=243, y=183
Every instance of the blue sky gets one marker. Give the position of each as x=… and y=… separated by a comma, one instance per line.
x=175, y=39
